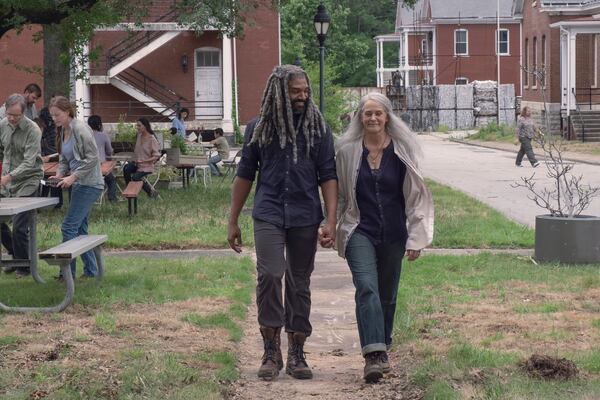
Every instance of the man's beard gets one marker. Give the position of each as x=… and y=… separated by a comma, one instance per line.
x=298, y=110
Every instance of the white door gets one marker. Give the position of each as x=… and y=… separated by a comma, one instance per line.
x=209, y=83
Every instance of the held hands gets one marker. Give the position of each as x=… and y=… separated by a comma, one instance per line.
x=234, y=237
x=412, y=255
x=327, y=235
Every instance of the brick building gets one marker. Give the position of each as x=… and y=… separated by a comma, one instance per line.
x=453, y=41
x=154, y=68
x=560, y=62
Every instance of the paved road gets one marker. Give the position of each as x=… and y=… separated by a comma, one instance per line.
x=488, y=174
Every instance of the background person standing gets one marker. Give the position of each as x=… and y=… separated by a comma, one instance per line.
x=78, y=169
x=21, y=173
x=31, y=93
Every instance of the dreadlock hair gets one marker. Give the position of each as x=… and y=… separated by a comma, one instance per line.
x=276, y=115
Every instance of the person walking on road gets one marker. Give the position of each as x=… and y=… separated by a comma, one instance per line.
x=526, y=131
x=386, y=213
x=292, y=148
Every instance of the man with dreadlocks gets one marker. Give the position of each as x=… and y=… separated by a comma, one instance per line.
x=291, y=147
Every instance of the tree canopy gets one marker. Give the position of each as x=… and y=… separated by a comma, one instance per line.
x=350, y=47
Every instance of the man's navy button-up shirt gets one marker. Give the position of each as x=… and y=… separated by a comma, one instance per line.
x=287, y=194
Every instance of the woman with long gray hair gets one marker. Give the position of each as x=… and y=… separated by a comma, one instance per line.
x=385, y=211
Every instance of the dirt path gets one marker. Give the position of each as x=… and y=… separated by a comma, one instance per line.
x=333, y=351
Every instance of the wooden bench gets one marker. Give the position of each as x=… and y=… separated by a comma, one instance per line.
x=131, y=193
x=62, y=255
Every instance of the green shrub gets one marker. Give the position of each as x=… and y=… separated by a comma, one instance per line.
x=443, y=128
x=177, y=142
x=126, y=131
x=493, y=132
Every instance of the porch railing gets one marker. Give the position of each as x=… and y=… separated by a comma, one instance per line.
x=587, y=97
x=131, y=110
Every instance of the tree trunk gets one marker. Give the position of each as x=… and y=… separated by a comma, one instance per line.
x=56, y=73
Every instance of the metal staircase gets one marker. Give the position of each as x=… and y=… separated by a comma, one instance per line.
x=121, y=74
x=587, y=126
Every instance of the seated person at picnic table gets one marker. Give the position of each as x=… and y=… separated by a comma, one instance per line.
x=222, y=147
x=104, y=150
x=78, y=169
x=146, y=153
x=178, y=126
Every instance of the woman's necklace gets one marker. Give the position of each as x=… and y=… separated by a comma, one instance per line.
x=374, y=156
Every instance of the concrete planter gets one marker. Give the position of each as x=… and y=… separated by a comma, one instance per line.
x=567, y=240
x=175, y=158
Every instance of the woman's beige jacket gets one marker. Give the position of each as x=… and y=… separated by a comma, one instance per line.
x=418, y=199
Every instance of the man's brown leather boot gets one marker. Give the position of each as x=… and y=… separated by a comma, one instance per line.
x=272, y=360
x=296, y=363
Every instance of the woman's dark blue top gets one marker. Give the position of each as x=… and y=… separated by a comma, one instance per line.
x=381, y=199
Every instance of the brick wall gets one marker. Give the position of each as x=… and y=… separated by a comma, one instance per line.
x=481, y=61
x=20, y=50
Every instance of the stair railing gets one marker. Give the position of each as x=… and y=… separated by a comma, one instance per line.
x=578, y=110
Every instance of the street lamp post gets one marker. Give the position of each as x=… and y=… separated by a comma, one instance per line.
x=321, y=21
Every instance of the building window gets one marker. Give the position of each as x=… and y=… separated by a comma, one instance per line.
x=461, y=42
x=544, y=63
x=526, y=64
x=208, y=58
x=534, y=64
x=502, y=43
x=596, y=42
x=461, y=81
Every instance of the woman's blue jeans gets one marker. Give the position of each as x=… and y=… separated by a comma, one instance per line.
x=76, y=223
x=376, y=275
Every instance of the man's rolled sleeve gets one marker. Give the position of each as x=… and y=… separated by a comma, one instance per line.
x=248, y=164
x=326, y=161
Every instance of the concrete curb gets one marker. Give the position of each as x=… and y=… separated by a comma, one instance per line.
x=568, y=156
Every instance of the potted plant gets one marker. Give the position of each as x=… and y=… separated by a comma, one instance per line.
x=564, y=234
x=179, y=153
x=125, y=137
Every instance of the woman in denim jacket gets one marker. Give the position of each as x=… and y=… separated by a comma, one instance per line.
x=79, y=169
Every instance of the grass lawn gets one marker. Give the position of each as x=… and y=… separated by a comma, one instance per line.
x=463, y=222
x=183, y=218
x=197, y=218
x=469, y=322
x=153, y=329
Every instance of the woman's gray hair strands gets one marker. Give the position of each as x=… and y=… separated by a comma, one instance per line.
x=276, y=114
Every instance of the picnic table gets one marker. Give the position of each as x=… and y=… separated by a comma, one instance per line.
x=10, y=206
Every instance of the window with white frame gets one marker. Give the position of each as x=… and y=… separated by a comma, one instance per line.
x=461, y=81
x=534, y=61
x=502, y=42
x=544, y=65
x=526, y=63
x=461, y=42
